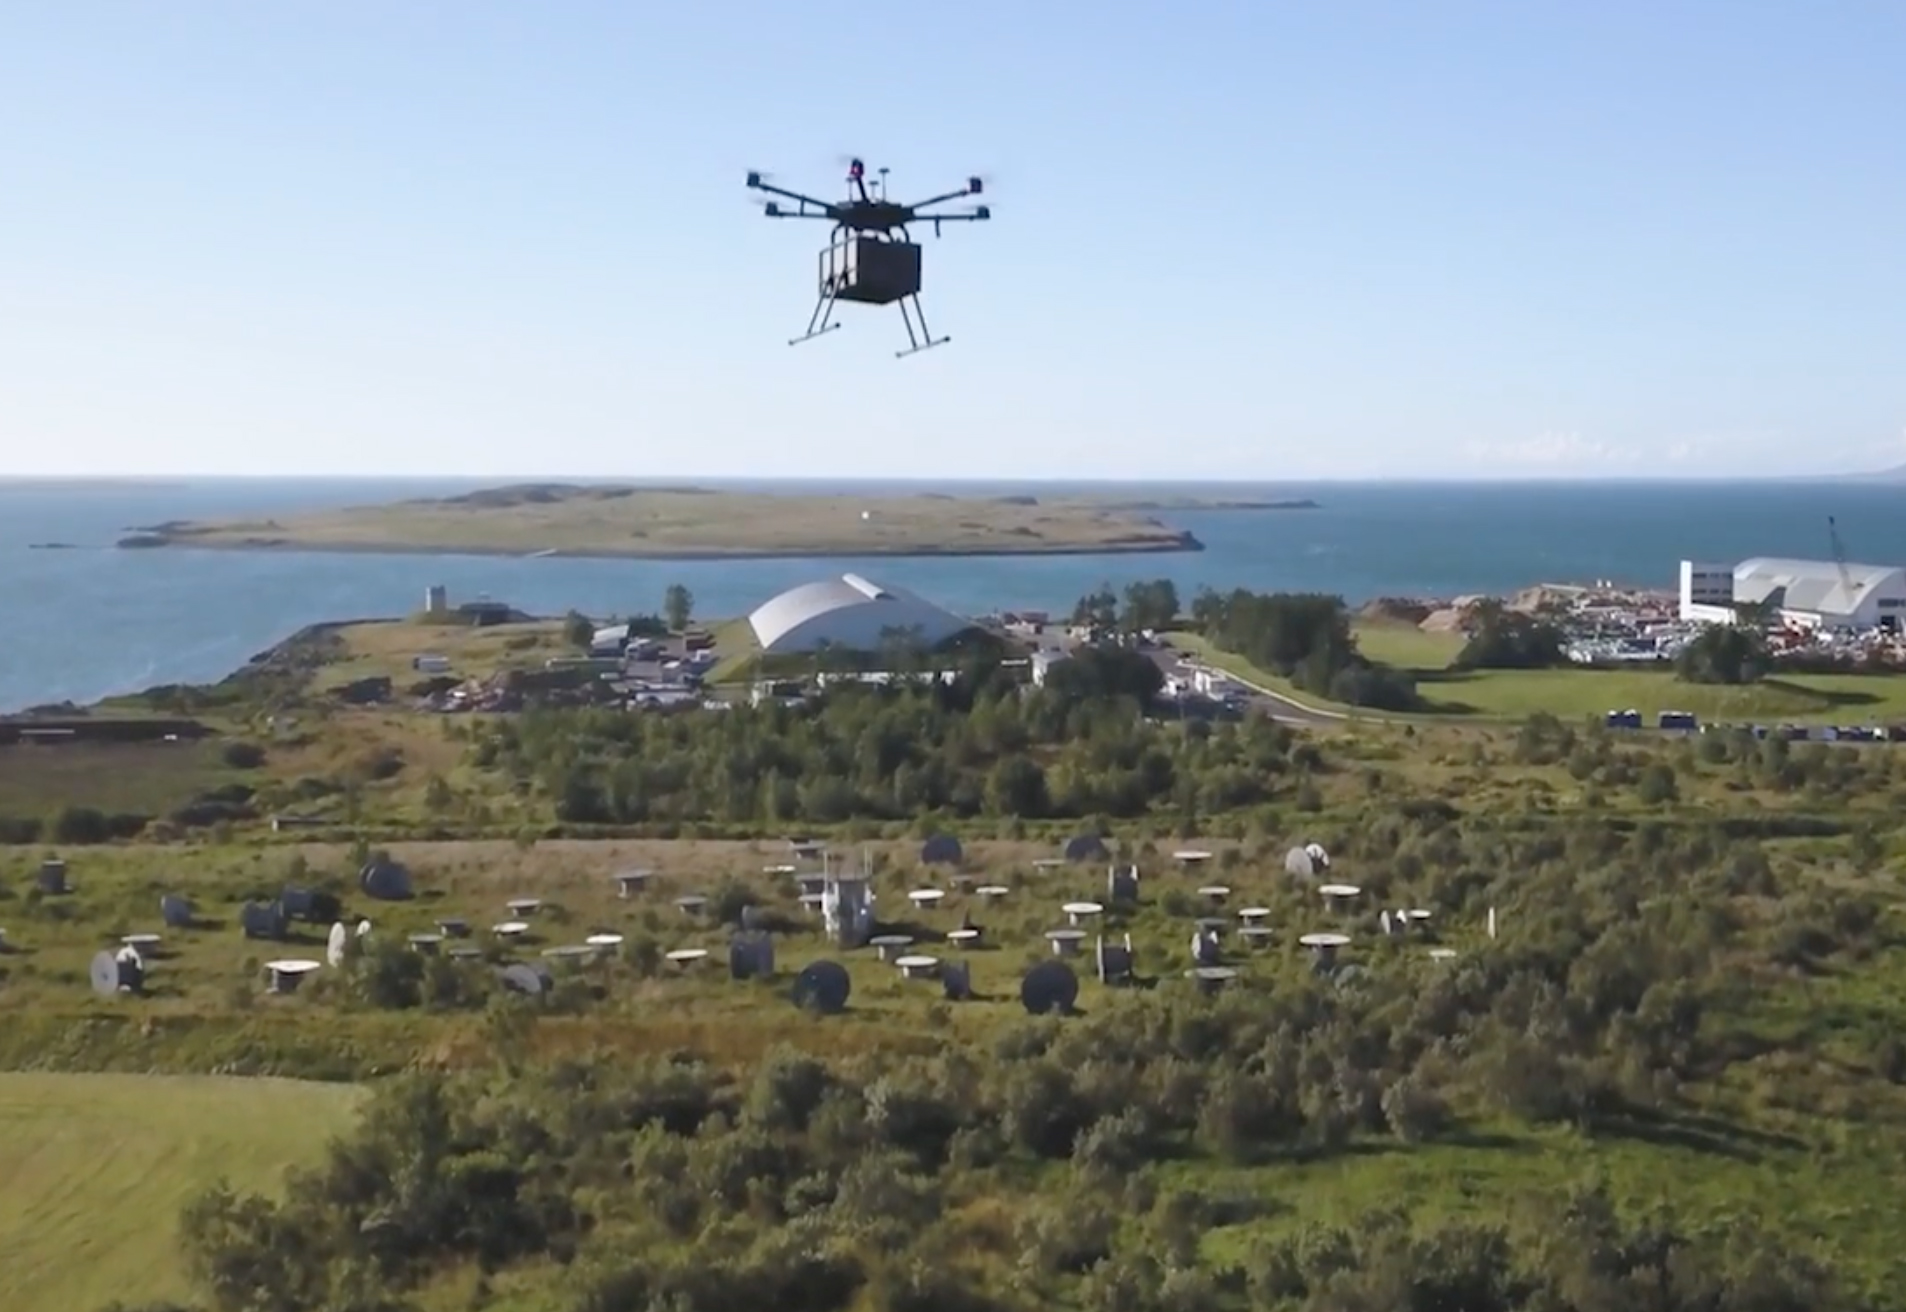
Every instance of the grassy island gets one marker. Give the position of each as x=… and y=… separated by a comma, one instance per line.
x=628, y=521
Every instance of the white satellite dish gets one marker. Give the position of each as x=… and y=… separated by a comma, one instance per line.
x=334, y=948
x=363, y=928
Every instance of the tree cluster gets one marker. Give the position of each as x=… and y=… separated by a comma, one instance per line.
x=1723, y=653
x=1503, y=639
x=1306, y=638
x=1147, y=604
x=980, y=744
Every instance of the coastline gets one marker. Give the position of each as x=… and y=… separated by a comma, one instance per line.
x=1180, y=543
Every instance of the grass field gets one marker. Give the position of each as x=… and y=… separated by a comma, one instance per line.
x=147, y=778
x=94, y=1170
x=656, y=522
x=387, y=649
x=1576, y=693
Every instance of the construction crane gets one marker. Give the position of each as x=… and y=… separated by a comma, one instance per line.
x=1839, y=558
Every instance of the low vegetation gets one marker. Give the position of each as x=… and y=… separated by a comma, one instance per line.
x=1670, y=1078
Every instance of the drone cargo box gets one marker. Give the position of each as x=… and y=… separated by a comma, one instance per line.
x=858, y=268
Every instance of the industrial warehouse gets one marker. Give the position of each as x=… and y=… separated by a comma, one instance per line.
x=1809, y=594
x=852, y=614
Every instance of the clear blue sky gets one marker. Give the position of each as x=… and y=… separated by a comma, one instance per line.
x=1258, y=240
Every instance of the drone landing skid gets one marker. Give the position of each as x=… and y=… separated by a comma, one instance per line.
x=919, y=336
x=821, y=321
x=923, y=340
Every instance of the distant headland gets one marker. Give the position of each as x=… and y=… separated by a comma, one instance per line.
x=637, y=522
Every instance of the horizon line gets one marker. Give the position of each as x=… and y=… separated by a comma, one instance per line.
x=682, y=480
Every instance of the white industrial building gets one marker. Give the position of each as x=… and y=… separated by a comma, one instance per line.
x=1823, y=593
x=1815, y=594
x=852, y=614
x=1707, y=593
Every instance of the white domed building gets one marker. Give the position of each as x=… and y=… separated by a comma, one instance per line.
x=850, y=614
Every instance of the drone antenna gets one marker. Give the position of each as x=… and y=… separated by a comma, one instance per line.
x=883, y=184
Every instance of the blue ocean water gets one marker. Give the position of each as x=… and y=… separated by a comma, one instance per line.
x=83, y=623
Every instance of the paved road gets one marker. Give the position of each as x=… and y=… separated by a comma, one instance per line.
x=1177, y=664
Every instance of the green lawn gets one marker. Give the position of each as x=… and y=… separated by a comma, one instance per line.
x=95, y=1168
x=1574, y=693
x=1407, y=646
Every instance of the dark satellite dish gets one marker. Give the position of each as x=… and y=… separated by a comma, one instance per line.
x=175, y=911
x=325, y=908
x=823, y=987
x=527, y=980
x=1049, y=987
x=263, y=920
x=750, y=956
x=1085, y=847
x=386, y=881
x=941, y=850
x=956, y=980
x=116, y=971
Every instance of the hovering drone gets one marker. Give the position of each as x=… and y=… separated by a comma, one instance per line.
x=871, y=258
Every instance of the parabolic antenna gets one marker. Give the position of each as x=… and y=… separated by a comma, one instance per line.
x=262, y=920
x=1325, y=940
x=1084, y=847
x=385, y=880
x=940, y=850
x=528, y=980
x=1048, y=988
x=337, y=944
x=175, y=911
x=113, y=971
x=287, y=974
x=823, y=986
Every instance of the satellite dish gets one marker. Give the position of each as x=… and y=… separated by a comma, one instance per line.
x=526, y=980
x=956, y=980
x=363, y=928
x=824, y=987
x=750, y=956
x=1085, y=847
x=1297, y=862
x=386, y=881
x=175, y=911
x=263, y=920
x=1318, y=856
x=337, y=944
x=115, y=971
x=941, y=850
x=1049, y=987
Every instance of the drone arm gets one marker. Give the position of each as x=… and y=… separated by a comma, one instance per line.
x=968, y=190
x=979, y=215
x=789, y=195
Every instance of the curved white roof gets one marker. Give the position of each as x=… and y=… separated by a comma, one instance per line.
x=849, y=612
x=1812, y=585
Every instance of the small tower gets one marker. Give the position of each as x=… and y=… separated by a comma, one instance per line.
x=436, y=599
x=847, y=909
